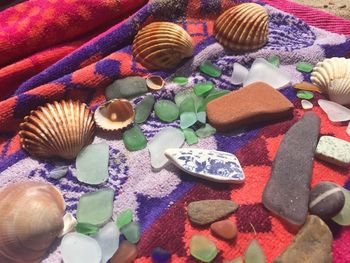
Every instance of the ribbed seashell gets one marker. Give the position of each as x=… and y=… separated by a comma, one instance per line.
x=31, y=218
x=114, y=115
x=58, y=129
x=333, y=77
x=162, y=45
x=243, y=27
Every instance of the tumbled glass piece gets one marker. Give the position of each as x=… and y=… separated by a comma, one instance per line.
x=201, y=89
x=126, y=253
x=182, y=95
x=210, y=69
x=205, y=131
x=108, y=239
x=124, y=218
x=214, y=94
x=262, y=70
x=334, y=111
x=134, y=139
x=92, y=164
x=190, y=136
x=202, y=117
x=274, y=60
x=304, y=67
x=306, y=95
x=187, y=119
x=144, y=109
x=96, y=208
x=187, y=105
x=160, y=255
x=239, y=74
x=58, y=172
x=166, y=110
x=168, y=137
x=203, y=248
x=86, y=229
x=180, y=80
x=306, y=105
x=79, y=248
x=131, y=232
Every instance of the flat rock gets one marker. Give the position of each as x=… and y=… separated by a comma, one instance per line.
x=313, y=244
x=257, y=102
x=127, y=88
x=333, y=150
x=208, y=211
x=287, y=191
x=211, y=165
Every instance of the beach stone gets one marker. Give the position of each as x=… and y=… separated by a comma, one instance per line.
x=210, y=69
x=313, y=244
x=160, y=255
x=203, y=248
x=257, y=102
x=126, y=253
x=333, y=150
x=126, y=88
x=225, y=229
x=131, y=232
x=134, y=139
x=307, y=86
x=287, y=191
x=326, y=200
x=190, y=136
x=208, y=211
x=166, y=110
x=144, y=109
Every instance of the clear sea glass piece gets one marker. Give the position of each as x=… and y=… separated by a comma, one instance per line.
x=239, y=74
x=334, y=111
x=187, y=119
x=108, y=239
x=307, y=105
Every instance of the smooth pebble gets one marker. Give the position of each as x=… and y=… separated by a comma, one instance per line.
x=225, y=229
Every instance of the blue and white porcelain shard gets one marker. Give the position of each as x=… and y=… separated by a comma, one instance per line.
x=264, y=71
x=239, y=74
x=211, y=165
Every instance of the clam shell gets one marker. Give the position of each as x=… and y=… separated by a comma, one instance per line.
x=114, y=115
x=162, y=45
x=243, y=27
x=333, y=77
x=58, y=129
x=31, y=219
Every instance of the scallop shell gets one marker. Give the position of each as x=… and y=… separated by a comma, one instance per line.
x=333, y=77
x=243, y=27
x=59, y=129
x=114, y=115
x=31, y=219
x=162, y=45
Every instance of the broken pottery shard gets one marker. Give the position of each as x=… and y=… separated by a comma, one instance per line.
x=208, y=211
x=239, y=74
x=313, y=244
x=333, y=150
x=255, y=103
x=167, y=138
x=287, y=191
x=335, y=112
x=262, y=70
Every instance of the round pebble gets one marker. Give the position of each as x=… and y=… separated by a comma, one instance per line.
x=166, y=110
x=326, y=200
x=225, y=229
x=160, y=255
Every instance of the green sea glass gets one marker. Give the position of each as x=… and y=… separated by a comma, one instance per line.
x=306, y=95
x=210, y=69
x=274, y=60
x=202, y=117
x=205, y=131
x=187, y=119
x=124, y=218
x=144, y=109
x=134, y=139
x=202, y=89
x=166, y=110
x=180, y=80
x=190, y=136
x=131, y=232
x=96, y=208
x=87, y=229
x=203, y=248
x=304, y=67
x=187, y=105
x=182, y=95
x=92, y=164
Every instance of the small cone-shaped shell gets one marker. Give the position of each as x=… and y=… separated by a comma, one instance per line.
x=243, y=27
x=114, y=115
x=333, y=77
x=59, y=129
x=31, y=217
x=162, y=45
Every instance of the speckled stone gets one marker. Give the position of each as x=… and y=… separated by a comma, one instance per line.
x=333, y=150
x=326, y=200
x=287, y=191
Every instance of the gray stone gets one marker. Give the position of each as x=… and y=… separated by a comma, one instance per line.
x=326, y=200
x=208, y=211
x=287, y=191
x=126, y=88
x=313, y=244
x=333, y=150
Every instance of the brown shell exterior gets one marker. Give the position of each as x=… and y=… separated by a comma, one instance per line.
x=162, y=45
x=58, y=129
x=243, y=27
x=31, y=218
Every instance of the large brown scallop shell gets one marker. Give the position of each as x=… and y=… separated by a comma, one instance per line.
x=243, y=27
x=31, y=217
x=58, y=129
x=162, y=45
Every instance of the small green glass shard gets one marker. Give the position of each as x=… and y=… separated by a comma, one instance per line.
x=274, y=60
x=166, y=110
x=134, y=139
x=202, y=117
x=187, y=105
x=182, y=95
x=306, y=95
x=187, y=119
x=202, y=89
x=304, y=67
x=203, y=248
x=210, y=69
x=124, y=218
x=180, y=80
x=190, y=136
x=87, y=229
x=144, y=109
x=254, y=253
x=131, y=232
x=206, y=131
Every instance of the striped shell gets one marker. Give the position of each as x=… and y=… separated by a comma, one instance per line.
x=162, y=45
x=243, y=27
x=58, y=129
x=333, y=77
